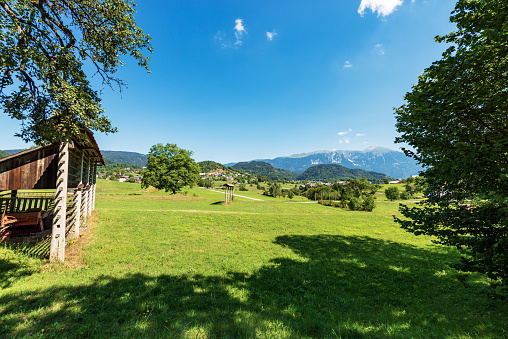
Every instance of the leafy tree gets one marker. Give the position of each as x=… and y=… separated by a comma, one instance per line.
x=463, y=99
x=44, y=46
x=275, y=189
x=392, y=193
x=170, y=168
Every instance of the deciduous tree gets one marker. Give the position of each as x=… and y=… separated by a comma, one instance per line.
x=456, y=119
x=45, y=47
x=170, y=168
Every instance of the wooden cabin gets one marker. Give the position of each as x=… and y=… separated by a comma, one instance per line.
x=56, y=179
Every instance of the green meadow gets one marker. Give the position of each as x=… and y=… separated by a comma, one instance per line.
x=154, y=265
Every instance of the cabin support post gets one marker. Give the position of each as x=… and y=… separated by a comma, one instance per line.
x=94, y=181
x=86, y=178
x=77, y=220
x=57, y=251
x=14, y=200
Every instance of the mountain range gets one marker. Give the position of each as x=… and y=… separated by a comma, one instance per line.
x=378, y=159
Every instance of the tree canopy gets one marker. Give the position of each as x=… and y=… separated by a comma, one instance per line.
x=170, y=168
x=456, y=119
x=45, y=47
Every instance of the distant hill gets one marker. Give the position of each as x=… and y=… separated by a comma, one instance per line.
x=11, y=151
x=209, y=166
x=119, y=157
x=378, y=159
x=122, y=157
x=333, y=172
x=3, y=154
x=265, y=169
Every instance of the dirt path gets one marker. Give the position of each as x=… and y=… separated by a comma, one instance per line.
x=236, y=195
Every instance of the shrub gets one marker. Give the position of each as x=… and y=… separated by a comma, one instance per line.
x=392, y=193
x=405, y=195
x=355, y=204
x=368, y=203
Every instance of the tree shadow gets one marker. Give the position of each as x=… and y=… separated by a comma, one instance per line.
x=349, y=287
x=11, y=271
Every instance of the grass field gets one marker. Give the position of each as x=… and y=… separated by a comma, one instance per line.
x=186, y=266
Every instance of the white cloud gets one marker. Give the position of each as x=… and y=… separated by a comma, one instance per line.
x=382, y=7
x=360, y=134
x=346, y=132
x=347, y=64
x=380, y=50
x=347, y=140
x=270, y=35
x=239, y=30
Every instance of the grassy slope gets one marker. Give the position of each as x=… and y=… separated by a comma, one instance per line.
x=187, y=266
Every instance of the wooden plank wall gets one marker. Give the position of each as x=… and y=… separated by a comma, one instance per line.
x=32, y=170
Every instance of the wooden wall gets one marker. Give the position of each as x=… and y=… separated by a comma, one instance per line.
x=30, y=169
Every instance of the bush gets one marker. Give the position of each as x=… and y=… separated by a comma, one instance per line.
x=392, y=193
x=242, y=187
x=405, y=195
x=368, y=203
x=355, y=204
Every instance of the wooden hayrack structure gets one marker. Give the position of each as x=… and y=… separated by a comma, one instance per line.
x=67, y=169
x=229, y=190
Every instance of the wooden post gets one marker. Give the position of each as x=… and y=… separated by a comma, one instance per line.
x=14, y=202
x=86, y=178
x=81, y=168
x=89, y=185
x=57, y=251
x=94, y=182
x=77, y=220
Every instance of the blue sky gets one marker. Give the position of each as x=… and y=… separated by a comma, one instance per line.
x=241, y=80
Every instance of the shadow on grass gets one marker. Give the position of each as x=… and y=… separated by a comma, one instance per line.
x=341, y=287
x=217, y=203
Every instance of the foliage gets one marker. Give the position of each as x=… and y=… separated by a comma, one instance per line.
x=170, y=168
x=44, y=48
x=275, y=190
x=356, y=194
x=368, y=203
x=333, y=172
x=392, y=193
x=3, y=154
x=205, y=183
x=209, y=166
x=242, y=187
x=463, y=99
x=405, y=195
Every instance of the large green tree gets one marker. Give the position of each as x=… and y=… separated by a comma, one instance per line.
x=45, y=47
x=456, y=119
x=170, y=168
